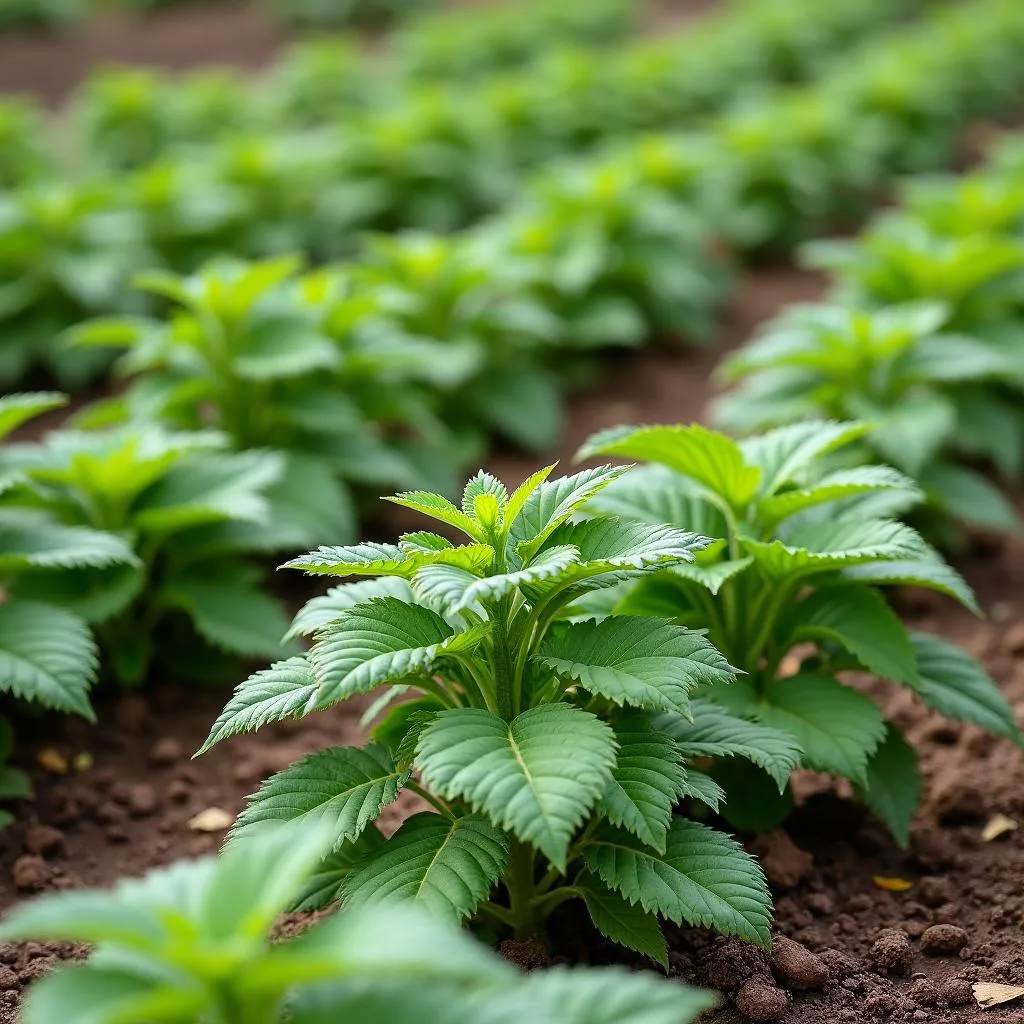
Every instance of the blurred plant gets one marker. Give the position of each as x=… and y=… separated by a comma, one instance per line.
x=319, y=14
x=800, y=548
x=929, y=392
x=48, y=14
x=540, y=778
x=23, y=150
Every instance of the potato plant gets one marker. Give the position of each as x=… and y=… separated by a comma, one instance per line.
x=800, y=549
x=194, y=943
x=931, y=392
x=532, y=740
x=47, y=654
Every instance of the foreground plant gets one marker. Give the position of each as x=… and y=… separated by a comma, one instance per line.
x=800, y=548
x=192, y=943
x=534, y=741
x=933, y=394
x=47, y=654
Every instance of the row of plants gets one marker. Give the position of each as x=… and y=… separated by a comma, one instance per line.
x=921, y=333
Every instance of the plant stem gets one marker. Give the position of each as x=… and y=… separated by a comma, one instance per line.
x=519, y=880
x=435, y=802
x=504, y=669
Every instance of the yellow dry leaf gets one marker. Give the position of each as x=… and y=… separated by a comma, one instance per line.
x=996, y=826
x=52, y=761
x=891, y=884
x=82, y=761
x=213, y=819
x=988, y=993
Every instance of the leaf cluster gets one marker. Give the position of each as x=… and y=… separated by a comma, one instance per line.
x=788, y=593
x=193, y=943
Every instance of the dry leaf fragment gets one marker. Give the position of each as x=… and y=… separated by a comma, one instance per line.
x=996, y=826
x=891, y=884
x=52, y=761
x=82, y=761
x=990, y=994
x=213, y=819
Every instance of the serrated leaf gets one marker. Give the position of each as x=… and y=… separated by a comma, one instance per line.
x=782, y=453
x=929, y=572
x=447, y=866
x=970, y=497
x=96, y=595
x=19, y=408
x=537, y=776
x=47, y=656
x=714, y=576
x=861, y=622
x=32, y=541
x=703, y=788
x=371, y=559
x=324, y=884
x=438, y=508
x=837, y=728
x=321, y=611
x=951, y=681
x=483, y=485
x=843, y=483
x=648, y=780
x=893, y=784
x=383, y=640
x=520, y=495
x=711, y=459
x=285, y=690
x=622, y=922
x=716, y=733
x=553, y=502
x=343, y=787
x=648, y=663
x=705, y=879
x=836, y=544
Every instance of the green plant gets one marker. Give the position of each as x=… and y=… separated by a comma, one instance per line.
x=320, y=14
x=192, y=943
x=931, y=393
x=47, y=655
x=800, y=548
x=532, y=741
x=48, y=14
x=23, y=130
x=188, y=511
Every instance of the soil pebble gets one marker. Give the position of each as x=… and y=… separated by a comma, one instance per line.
x=797, y=966
x=934, y=891
x=892, y=951
x=944, y=940
x=924, y=993
x=178, y=791
x=783, y=862
x=958, y=800
x=44, y=840
x=956, y=991
x=527, y=955
x=8, y=977
x=31, y=873
x=759, y=999
x=838, y=964
x=728, y=964
x=166, y=751
x=142, y=800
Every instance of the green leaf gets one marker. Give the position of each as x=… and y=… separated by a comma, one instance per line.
x=344, y=787
x=784, y=452
x=648, y=780
x=14, y=784
x=32, y=541
x=716, y=733
x=639, y=662
x=971, y=498
x=285, y=690
x=752, y=799
x=838, y=728
x=279, y=348
x=321, y=611
x=383, y=640
x=915, y=430
x=324, y=884
x=835, y=544
x=552, y=502
x=929, y=572
x=714, y=576
x=19, y=408
x=861, y=622
x=520, y=495
x=439, y=508
x=711, y=459
x=371, y=559
x=703, y=788
x=705, y=879
x=952, y=682
x=537, y=776
x=235, y=616
x=622, y=922
x=843, y=483
x=447, y=866
x=48, y=656
x=893, y=784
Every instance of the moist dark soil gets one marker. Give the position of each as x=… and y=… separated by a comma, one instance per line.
x=118, y=798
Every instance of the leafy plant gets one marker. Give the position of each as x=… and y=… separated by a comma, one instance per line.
x=930, y=392
x=48, y=14
x=339, y=13
x=800, y=548
x=184, y=511
x=534, y=742
x=47, y=655
x=22, y=133
x=193, y=943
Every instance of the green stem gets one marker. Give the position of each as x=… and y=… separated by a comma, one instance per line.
x=436, y=802
x=504, y=670
x=545, y=904
x=519, y=880
x=500, y=914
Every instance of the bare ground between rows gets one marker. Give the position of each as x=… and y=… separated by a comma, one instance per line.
x=130, y=810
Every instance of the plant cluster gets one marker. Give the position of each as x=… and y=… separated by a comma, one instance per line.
x=788, y=592
x=538, y=742
x=193, y=943
x=920, y=335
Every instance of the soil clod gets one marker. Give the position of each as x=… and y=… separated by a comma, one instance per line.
x=892, y=952
x=797, y=966
x=759, y=999
x=944, y=940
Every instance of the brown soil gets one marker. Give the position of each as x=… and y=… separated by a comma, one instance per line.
x=859, y=953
